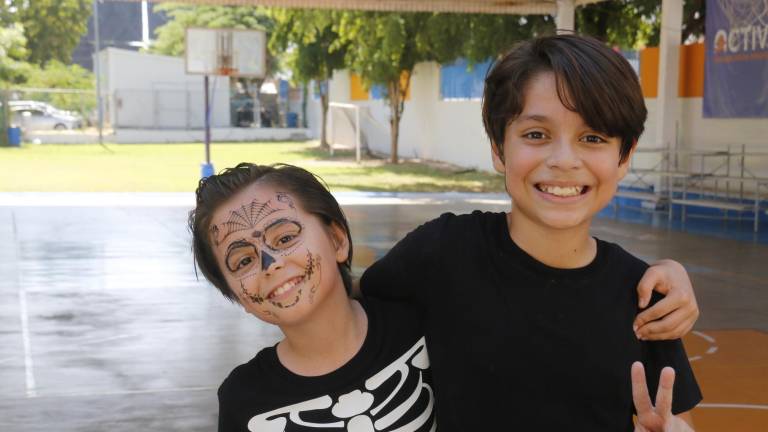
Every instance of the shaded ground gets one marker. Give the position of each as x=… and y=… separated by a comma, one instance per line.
x=104, y=326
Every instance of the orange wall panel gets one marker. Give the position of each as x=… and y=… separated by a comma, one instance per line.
x=356, y=90
x=649, y=72
x=691, y=80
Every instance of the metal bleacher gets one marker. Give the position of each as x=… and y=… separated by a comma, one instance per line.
x=713, y=179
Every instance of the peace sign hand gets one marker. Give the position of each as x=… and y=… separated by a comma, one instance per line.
x=657, y=418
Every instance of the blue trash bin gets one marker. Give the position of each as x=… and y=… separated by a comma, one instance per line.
x=292, y=120
x=14, y=136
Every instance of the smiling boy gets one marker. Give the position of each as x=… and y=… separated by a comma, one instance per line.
x=530, y=319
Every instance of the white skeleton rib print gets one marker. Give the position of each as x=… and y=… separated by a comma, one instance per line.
x=361, y=410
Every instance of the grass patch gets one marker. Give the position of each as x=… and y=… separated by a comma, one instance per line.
x=176, y=168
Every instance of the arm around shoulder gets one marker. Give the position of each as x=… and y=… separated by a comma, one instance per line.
x=674, y=315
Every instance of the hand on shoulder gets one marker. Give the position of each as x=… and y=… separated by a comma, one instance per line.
x=673, y=316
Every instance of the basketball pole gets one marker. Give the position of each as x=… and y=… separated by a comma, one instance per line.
x=97, y=72
x=207, y=167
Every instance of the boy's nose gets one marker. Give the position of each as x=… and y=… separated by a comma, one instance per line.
x=267, y=261
x=563, y=155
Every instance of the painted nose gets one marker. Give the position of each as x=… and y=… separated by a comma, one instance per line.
x=266, y=261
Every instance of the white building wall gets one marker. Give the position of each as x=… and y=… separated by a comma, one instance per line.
x=452, y=131
x=154, y=91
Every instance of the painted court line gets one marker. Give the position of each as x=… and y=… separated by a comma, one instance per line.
x=28, y=365
x=123, y=392
x=707, y=338
x=29, y=374
x=711, y=350
x=737, y=406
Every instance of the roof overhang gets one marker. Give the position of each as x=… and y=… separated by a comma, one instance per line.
x=520, y=7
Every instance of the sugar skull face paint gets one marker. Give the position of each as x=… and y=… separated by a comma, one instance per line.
x=271, y=252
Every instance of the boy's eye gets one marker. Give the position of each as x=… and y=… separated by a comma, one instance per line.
x=240, y=255
x=285, y=239
x=595, y=139
x=283, y=235
x=243, y=262
x=534, y=135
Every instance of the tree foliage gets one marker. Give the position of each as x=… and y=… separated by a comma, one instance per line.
x=53, y=28
x=631, y=24
x=13, y=52
x=384, y=48
x=479, y=37
x=310, y=47
x=56, y=74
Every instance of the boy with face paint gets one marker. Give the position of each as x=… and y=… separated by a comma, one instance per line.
x=531, y=322
x=274, y=240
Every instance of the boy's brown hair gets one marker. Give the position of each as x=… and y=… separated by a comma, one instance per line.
x=591, y=79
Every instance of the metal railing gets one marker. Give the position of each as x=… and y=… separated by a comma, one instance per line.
x=719, y=179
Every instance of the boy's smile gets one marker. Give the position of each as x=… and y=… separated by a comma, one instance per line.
x=558, y=171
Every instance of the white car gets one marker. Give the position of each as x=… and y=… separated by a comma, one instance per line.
x=31, y=115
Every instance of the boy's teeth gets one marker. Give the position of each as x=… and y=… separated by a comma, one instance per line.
x=283, y=289
x=562, y=191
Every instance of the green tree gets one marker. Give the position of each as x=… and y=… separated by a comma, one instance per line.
x=631, y=24
x=479, y=37
x=56, y=74
x=311, y=48
x=383, y=50
x=53, y=28
x=385, y=47
x=13, y=52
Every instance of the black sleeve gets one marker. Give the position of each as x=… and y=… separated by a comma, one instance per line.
x=406, y=272
x=656, y=356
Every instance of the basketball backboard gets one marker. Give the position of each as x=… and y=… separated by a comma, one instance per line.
x=231, y=52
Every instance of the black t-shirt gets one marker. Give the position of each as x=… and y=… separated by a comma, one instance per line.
x=386, y=386
x=518, y=345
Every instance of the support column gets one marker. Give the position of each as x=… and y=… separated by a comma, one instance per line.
x=667, y=101
x=565, y=15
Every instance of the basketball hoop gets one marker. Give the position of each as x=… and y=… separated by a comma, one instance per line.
x=226, y=71
x=227, y=52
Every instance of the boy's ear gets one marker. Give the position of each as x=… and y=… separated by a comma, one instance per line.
x=624, y=166
x=340, y=242
x=498, y=159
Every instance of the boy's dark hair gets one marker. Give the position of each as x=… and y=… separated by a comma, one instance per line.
x=591, y=79
x=311, y=194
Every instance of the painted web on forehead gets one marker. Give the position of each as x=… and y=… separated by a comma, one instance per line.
x=247, y=216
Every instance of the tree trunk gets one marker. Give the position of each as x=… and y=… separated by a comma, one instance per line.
x=394, y=119
x=324, y=122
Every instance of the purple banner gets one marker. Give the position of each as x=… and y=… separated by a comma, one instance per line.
x=736, y=66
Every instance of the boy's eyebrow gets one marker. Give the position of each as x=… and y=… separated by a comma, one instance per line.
x=535, y=117
x=242, y=243
x=282, y=221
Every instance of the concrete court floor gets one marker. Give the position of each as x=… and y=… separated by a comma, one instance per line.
x=103, y=326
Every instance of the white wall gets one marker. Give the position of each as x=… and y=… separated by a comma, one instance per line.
x=149, y=90
x=448, y=131
x=452, y=131
x=699, y=134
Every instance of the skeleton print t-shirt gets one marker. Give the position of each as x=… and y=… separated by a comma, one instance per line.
x=386, y=386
